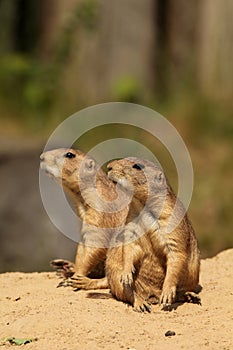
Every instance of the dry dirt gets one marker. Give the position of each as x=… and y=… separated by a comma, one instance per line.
x=32, y=307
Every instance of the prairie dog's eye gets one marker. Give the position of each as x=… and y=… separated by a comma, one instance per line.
x=69, y=155
x=138, y=166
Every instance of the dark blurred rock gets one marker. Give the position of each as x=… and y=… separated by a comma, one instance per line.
x=170, y=334
x=28, y=240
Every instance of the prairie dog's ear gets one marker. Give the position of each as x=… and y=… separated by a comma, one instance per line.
x=160, y=178
x=89, y=164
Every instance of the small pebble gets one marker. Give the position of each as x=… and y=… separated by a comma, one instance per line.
x=170, y=333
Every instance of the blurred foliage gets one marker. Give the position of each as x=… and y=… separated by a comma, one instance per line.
x=29, y=85
x=25, y=83
x=127, y=89
x=84, y=16
x=206, y=126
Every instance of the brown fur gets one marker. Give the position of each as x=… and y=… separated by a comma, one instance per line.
x=176, y=270
x=146, y=276
x=70, y=172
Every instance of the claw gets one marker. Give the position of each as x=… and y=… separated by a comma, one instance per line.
x=147, y=308
x=142, y=308
x=63, y=283
x=69, y=282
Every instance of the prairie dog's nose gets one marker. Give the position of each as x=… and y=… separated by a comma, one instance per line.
x=42, y=157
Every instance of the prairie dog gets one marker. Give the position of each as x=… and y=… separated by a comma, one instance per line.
x=177, y=251
x=66, y=166
x=91, y=191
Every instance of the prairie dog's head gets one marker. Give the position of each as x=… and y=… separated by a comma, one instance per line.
x=68, y=167
x=141, y=176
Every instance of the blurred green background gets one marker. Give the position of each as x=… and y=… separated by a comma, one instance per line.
x=57, y=57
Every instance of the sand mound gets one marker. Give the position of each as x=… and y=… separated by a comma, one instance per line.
x=32, y=307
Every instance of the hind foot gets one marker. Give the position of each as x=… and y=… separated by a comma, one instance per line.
x=82, y=282
x=192, y=297
x=63, y=268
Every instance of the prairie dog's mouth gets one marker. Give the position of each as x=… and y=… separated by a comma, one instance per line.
x=51, y=171
x=115, y=182
x=112, y=178
x=122, y=182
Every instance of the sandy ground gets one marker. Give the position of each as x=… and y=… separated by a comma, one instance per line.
x=32, y=307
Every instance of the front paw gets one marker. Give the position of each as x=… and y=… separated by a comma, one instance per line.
x=126, y=279
x=168, y=296
x=141, y=305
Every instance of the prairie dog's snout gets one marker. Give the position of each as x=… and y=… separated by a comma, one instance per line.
x=43, y=160
x=47, y=157
x=53, y=161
